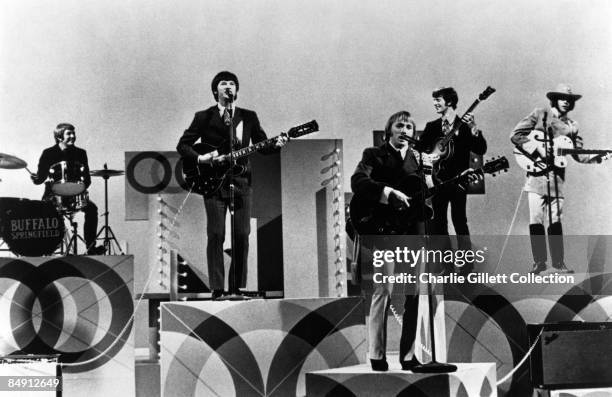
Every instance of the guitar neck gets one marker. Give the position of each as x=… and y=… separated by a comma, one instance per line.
x=562, y=152
x=248, y=150
x=452, y=131
x=294, y=132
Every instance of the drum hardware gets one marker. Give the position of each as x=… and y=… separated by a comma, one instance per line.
x=109, y=236
x=75, y=236
x=67, y=178
x=66, y=204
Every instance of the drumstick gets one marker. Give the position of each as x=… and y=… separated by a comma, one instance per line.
x=31, y=173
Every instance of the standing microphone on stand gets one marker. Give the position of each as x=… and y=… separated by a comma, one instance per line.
x=227, y=115
x=230, y=96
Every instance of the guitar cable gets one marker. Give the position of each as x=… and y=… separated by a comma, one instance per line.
x=130, y=321
x=501, y=254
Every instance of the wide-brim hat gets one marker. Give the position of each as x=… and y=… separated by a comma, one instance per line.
x=563, y=91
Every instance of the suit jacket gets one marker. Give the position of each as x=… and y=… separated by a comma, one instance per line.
x=379, y=167
x=55, y=154
x=208, y=127
x=463, y=144
x=558, y=126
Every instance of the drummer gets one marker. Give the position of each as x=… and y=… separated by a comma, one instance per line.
x=65, y=150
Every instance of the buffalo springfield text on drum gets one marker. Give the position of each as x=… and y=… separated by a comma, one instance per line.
x=412, y=257
x=34, y=228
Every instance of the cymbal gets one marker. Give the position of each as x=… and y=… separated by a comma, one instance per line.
x=106, y=173
x=11, y=162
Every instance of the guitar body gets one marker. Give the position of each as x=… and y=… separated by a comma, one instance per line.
x=374, y=218
x=444, y=146
x=389, y=219
x=532, y=157
x=207, y=179
x=445, y=151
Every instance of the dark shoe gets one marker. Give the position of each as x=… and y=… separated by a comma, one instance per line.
x=409, y=365
x=99, y=250
x=561, y=268
x=538, y=268
x=217, y=293
x=379, y=365
x=236, y=292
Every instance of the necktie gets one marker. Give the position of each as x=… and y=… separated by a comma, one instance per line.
x=227, y=117
x=445, y=126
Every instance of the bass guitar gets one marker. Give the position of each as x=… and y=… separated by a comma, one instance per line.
x=531, y=155
x=370, y=218
x=444, y=146
x=207, y=179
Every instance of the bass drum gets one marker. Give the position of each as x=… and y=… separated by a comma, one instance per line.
x=30, y=227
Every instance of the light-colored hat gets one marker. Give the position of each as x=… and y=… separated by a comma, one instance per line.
x=563, y=91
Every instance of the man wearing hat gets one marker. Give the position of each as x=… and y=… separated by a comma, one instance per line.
x=211, y=126
x=554, y=121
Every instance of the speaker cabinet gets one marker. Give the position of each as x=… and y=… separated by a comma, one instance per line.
x=571, y=355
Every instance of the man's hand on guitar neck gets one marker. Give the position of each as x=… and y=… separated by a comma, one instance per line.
x=598, y=158
x=281, y=140
x=468, y=119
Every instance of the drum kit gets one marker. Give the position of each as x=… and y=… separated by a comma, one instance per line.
x=36, y=227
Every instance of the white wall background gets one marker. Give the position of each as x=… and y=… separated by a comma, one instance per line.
x=131, y=73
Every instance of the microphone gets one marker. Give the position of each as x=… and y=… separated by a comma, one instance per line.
x=229, y=94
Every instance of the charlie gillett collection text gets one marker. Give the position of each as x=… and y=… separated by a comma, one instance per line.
x=473, y=278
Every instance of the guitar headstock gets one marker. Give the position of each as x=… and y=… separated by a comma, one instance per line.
x=486, y=93
x=496, y=165
x=303, y=129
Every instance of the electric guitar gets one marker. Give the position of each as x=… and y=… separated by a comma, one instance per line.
x=207, y=179
x=444, y=146
x=370, y=218
x=531, y=155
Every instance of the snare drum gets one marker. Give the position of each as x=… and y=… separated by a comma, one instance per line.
x=70, y=204
x=67, y=178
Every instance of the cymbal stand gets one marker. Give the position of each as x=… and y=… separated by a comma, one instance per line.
x=109, y=235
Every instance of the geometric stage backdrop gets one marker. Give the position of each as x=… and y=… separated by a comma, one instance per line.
x=257, y=347
x=79, y=307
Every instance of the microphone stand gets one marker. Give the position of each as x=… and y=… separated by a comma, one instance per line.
x=550, y=164
x=229, y=122
x=432, y=367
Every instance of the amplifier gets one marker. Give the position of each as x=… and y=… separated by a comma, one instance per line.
x=571, y=355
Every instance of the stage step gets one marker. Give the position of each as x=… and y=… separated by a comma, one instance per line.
x=593, y=392
x=470, y=380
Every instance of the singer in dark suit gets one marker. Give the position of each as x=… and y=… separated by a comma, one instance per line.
x=376, y=180
x=211, y=126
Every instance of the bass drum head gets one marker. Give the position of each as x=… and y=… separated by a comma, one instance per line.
x=30, y=227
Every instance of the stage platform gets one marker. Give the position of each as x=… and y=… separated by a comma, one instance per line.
x=257, y=347
x=470, y=380
x=593, y=392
